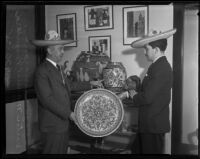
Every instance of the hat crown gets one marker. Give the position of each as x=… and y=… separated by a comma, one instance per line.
x=52, y=35
x=51, y=38
x=153, y=35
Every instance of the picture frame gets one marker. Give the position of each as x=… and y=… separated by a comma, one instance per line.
x=98, y=17
x=67, y=27
x=100, y=45
x=135, y=23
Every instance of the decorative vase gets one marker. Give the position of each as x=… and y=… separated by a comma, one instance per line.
x=89, y=66
x=114, y=76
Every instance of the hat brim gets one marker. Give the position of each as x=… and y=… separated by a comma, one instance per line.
x=50, y=43
x=143, y=41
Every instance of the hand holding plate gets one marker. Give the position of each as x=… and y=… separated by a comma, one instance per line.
x=132, y=93
x=97, y=83
x=73, y=118
x=123, y=95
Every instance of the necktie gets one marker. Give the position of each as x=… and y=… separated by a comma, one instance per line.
x=60, y=70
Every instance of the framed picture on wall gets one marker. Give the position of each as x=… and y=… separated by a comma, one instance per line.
x=66, y=27
x=135, y=23
x=100, y=45
x=98, y=17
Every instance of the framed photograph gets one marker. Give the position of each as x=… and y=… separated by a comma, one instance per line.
x=100, y=45
x=98, y=17
x=135, y=23
x=66, y=27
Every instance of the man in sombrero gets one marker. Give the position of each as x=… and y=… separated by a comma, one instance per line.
x=53, y=94
x=154, y=95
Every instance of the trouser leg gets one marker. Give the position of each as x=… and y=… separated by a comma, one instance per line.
x=136, y=147
x=152, y=143
x=148, y=143
x=55, y=143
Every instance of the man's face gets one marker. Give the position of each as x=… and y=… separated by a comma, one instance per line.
x=56, y=52
x=149, y=52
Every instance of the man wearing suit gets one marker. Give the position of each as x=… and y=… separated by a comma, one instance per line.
x=154, y=96
x=53, y=93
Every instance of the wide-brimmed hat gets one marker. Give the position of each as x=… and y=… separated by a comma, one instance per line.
x=152, y=36
x=51, y=38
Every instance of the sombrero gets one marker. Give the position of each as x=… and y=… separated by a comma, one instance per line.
x=51, y=38
x=152, y=36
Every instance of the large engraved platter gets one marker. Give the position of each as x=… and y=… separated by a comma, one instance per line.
x=99, y=112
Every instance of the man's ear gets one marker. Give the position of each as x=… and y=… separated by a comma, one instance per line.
x=49, y=50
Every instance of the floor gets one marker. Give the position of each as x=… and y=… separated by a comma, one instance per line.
x=117, y=143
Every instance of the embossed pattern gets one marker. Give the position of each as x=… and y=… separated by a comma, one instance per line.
x=114, y=77
x=99, y=112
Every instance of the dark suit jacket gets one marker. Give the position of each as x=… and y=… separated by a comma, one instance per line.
x=154, y=98
x=53, y=98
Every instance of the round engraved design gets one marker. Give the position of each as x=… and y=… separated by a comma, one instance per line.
x=99, y=112
x=114, y=77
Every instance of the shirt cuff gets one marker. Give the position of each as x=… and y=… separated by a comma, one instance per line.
x=127, y=94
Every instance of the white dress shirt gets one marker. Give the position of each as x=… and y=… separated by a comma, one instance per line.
x=51, y=62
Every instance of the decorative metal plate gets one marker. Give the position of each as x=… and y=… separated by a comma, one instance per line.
x=99, y=112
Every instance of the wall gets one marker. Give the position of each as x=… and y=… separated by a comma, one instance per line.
x=190, y=82
x=160, y=17
x=20, y=54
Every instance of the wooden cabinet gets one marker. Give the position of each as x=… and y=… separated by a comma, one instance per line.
x=22, y=129
x=32, y=125
x=15, y=128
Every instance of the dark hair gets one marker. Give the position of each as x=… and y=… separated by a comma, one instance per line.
x=161, y=44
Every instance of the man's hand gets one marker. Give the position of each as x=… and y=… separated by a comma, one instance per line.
x=123, y=95
x=97, y=84
x=132, y=93
x=72, y=117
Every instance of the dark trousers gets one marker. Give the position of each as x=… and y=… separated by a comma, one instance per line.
x=55, y=143
x=148, y=143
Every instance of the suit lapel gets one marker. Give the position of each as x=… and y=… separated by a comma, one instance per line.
x=54, y=72
x=155, y=64
x=151, y=70
x=66, y=82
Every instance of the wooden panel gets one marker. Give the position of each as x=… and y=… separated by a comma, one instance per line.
x=32, y=125
x=20, y=53
x=15, y=128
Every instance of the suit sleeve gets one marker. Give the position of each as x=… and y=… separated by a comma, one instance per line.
x=159, y=81
x=45, y=95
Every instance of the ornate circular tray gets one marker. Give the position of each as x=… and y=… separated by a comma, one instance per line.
x=99, y=112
